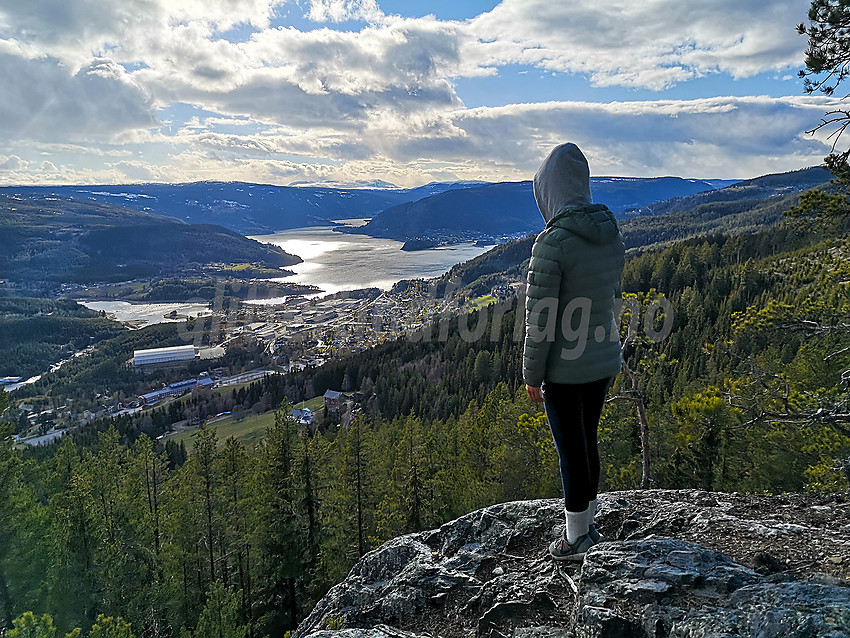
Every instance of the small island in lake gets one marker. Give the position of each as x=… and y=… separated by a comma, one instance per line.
x=419, y=244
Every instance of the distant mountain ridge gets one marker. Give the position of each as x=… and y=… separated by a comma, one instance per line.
x=743, y=207
x=508, y=209
x=52, y=234
x=249, y=209
x=757, y=188
x=255, y=209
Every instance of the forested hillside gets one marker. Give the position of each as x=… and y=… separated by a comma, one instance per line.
x=508, y=208
x=46, y=241
x=39, y=332
x=750, y=190
x=744, y=207
x=747, y=393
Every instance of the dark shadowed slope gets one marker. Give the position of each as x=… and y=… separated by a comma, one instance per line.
x=52, y=239
x=508, y=208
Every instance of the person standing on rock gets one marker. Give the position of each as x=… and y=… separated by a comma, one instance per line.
x=572, y=342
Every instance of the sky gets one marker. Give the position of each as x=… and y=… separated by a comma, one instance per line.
x=401, y=92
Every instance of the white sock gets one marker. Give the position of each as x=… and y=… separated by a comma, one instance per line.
x=591, y=512
x=576, y=525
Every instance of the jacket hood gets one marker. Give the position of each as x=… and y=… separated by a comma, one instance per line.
x=593, y=222
x=562, y=180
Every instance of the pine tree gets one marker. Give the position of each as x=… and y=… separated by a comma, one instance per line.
x=483, y=366
x=406, y=504
x=31, y=626
x=111, y=627
x=220, y=617
x=183, y=534
x=236, y=489
x=204, y=464
x=8, y=476
x=349, y=498
x=278, y=530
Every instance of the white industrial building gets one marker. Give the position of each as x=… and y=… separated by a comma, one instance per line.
x=174, y=354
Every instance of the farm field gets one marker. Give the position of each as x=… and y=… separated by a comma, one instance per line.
x=481, y=302
x=249, y=430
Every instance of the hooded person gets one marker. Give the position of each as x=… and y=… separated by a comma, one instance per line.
x=572, y=343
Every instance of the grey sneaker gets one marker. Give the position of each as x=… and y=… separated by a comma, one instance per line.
x=563, y=550
x=594, y=534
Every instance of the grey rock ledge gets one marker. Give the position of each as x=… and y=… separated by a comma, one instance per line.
x=488, y=574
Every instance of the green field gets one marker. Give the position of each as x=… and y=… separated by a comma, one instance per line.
x=249, y=430
x=235, y=387
x=480, y=302
x=315, y=404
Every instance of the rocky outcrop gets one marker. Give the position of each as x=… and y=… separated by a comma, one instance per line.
x=680, y=563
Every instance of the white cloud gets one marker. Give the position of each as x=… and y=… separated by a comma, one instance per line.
x=307, y=79
x=329, y=145
x=12, y=163
x=717, y=137
x=343, y=10
x=71, y=31
x=79, y=149
x=320, y=76
x=379, y=102
x=74, y=30
x=226, y=121
x=139, y=172
x=652, y=44
x=43, y=101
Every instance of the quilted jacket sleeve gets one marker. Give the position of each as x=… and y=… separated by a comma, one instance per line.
x=541, y=306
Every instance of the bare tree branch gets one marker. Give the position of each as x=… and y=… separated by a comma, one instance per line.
x=776, y=388
x=636, y=397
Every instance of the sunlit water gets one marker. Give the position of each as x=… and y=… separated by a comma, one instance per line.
x=332, y=261
x=337, y=261
x=147, y=313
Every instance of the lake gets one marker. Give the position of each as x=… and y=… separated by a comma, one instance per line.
x=332, y=261
x=338, y=261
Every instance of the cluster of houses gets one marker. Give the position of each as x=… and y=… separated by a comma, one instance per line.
x=502, y=292
x=304, y=417
x=345, y=405
x=334, y=399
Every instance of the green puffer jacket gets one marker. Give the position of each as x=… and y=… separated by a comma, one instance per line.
x=573, y=279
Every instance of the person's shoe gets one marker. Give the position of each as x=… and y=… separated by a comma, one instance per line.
x=594, y=534
x=563, y=550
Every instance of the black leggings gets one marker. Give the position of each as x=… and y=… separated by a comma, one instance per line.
x=573, y=411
